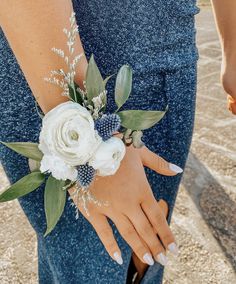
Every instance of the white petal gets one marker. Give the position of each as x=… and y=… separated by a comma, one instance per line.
x=55, y=138
x=108, y=156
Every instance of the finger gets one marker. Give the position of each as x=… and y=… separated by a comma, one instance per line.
x=105, y=233
x=157, y=163
x=164, y=207
x=139, y=265
x=132, y=238
x=147, y=233
x=158, y=220
x=231, y=104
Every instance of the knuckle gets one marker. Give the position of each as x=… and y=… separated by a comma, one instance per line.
x=161, y=163
x=90, y=207
x=159, y=220
x=145, y=229
x=157, y=249
x=147, y=195
x=139, y=250
x=167, y=238
x=104, y=232
x=128, y=232
x=110, y=245
x=160, y=248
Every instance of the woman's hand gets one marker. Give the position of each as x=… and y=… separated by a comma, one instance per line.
x=228, y=78
x=224, y=12
x=132, y=207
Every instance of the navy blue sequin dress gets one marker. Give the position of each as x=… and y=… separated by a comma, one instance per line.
x=157, y=38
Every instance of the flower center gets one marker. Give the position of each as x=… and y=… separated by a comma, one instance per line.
x=116, y=155
x=74, y=135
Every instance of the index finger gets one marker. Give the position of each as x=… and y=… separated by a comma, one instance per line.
x=157, y=163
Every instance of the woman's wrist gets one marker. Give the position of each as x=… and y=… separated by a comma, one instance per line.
x=47, y=105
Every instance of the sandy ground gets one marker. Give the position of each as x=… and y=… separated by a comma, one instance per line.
x=204, y=218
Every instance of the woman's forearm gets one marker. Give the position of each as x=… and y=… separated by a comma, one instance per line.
x=225, y=11
x=32, y=28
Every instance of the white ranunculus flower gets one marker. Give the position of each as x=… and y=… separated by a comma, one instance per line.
x=58, y=168
x=108, y=156
x=68, y=133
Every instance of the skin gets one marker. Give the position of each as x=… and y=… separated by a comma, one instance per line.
x=132, y=206
x=32, y=28
x=224, y=12
x=43, y=21
x=140, y=266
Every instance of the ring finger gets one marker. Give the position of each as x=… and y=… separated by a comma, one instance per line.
x=128, y=232
x=148, y=235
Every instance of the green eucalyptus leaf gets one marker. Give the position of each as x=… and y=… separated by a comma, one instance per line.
x=123, y=85
x=140, y=119
x=27, y=149
x=94, y=81
x=54, y=202
x=23, y=186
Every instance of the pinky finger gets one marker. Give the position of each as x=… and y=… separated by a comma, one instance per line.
x=105, y=233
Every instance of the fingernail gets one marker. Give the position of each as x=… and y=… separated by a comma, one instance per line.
x=173, y=248
x=162, y=259
x=175, y=168
x=148, y=259
x=118, y=258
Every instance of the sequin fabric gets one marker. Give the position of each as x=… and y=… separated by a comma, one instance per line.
x=157, y=38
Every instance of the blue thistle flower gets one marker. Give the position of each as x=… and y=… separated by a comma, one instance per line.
x=85, y=174
x=107, y=125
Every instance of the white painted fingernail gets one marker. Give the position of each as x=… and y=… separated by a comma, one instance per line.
x=173, y=248
x=175, y=168
x=162, y=259
x=118, y=258
x=148, y=258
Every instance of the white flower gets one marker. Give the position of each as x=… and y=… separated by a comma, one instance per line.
x=108, y=156
x=68, y=133
x=58, y=168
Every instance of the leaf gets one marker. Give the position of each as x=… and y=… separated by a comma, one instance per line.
x=74, y=94
x=27, y=149
x=34, y=166
x=23, y=186
x=140, y=119
x=54, y=202
x=94, y=81
x=107, y=78
x=123, y=85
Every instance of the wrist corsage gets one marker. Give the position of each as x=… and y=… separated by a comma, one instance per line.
x=77, y=140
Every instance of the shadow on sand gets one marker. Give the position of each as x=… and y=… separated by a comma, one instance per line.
x=216, y=207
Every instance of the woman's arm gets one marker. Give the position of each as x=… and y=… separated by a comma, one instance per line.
x=32, y=28
x=225, y=11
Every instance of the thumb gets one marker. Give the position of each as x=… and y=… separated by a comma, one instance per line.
x=157, y=163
